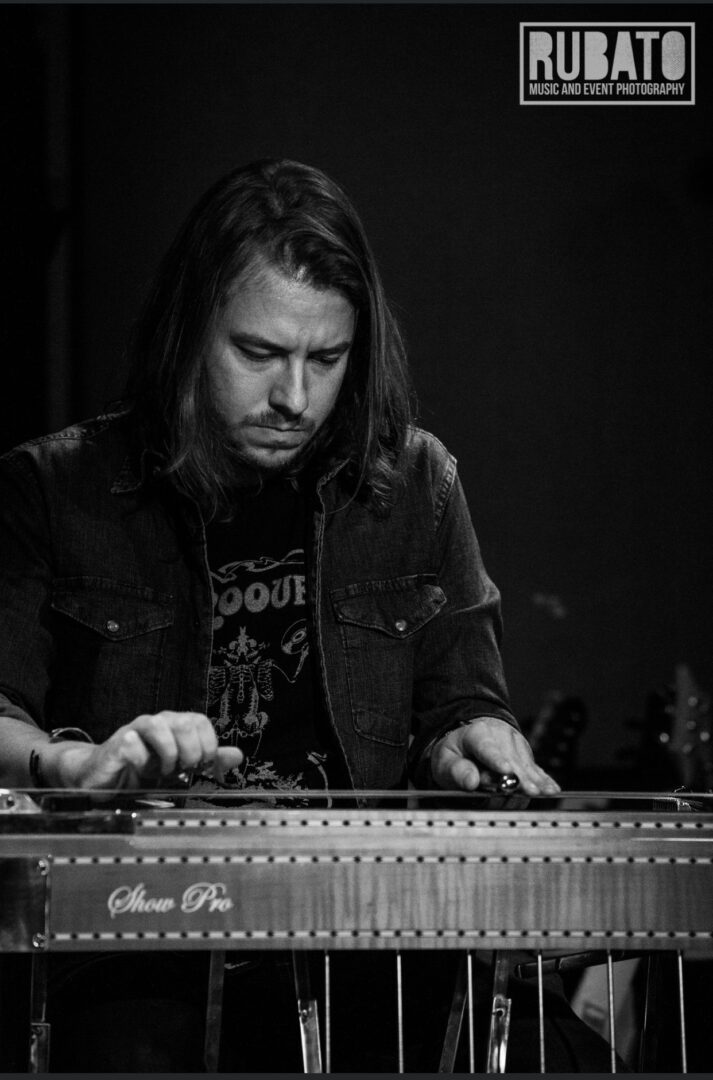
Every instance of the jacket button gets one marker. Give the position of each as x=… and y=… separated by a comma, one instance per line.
x=400, y=625
x=112, y=626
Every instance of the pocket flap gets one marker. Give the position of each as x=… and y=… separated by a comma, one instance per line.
x=114, y=610
x=397, y=607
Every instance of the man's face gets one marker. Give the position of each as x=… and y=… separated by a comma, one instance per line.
x=276, y=362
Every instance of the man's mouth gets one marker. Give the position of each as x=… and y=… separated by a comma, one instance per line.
x=280, y=435
x=284, y=428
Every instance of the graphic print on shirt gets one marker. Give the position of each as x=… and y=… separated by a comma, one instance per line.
x=259, y=671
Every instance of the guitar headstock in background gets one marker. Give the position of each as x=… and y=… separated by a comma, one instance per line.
x=688, y=737
x=676, y=736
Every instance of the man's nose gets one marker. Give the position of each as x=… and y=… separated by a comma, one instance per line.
x=288, y=394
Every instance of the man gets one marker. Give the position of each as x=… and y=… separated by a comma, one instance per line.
x=257, y=570
x=267, y=368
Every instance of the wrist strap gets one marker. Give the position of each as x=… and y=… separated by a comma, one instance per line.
x=76, y=733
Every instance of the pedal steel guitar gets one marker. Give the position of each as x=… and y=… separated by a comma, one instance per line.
x=393, y=872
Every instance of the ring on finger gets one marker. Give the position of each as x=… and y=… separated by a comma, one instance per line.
x=187, y=773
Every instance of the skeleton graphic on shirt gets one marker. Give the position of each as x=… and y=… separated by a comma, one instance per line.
x=242, y=682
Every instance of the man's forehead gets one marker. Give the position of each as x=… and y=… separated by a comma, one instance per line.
x=269, y=287
x=262, y=272
x=280, y=309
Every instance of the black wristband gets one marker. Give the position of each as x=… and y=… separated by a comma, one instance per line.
x=35, y=769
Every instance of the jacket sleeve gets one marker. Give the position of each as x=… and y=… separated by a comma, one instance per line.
x=26, y=644
x=458, y=663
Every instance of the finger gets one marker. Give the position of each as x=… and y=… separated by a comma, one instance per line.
x=503, y=750
x=450, y=769
x=182, y=740
x=186, y=729
x=208, y=742
x=463, y=774
x=158, y=734
x=534, y=780
x=548, y=785
x=226, y=758
x=126, y=758
x=198, y=745
x=498, y=755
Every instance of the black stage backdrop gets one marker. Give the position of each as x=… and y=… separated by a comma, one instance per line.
x=550, y=265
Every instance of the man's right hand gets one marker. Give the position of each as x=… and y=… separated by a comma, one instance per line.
x=139, y=754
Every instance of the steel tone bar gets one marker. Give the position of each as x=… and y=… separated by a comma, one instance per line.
x=214, y=1010
x=499, y=1015
x=400, y=1010
x=610, y=1008
x=307, y=1014
x=39, y=1050
x=471, y=1014
x=541, y=1012
x=681, y=1012
x=327, y=1013
x=455, y=1019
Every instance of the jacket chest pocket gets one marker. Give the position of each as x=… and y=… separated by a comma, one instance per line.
x=379, y=623
x=110, y=639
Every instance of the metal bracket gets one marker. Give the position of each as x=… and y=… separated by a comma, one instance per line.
x=39, y=1048
x=499, y=1015
x=308, y=1016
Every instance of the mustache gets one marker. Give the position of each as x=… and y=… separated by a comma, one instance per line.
x=268, y=418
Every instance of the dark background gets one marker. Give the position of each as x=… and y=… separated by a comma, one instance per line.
x=550, y=266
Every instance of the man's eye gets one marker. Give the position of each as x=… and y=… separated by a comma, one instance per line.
x=327, y=361
x=257, y=356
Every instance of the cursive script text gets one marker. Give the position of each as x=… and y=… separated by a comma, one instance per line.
x=209, y=896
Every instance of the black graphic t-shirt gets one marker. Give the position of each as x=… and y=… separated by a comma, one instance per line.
x=263, y=691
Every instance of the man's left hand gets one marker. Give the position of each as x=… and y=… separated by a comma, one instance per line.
x=464, y=758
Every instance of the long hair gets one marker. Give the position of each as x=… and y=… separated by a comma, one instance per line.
x=299, y=221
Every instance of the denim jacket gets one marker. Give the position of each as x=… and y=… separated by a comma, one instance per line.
x=106, y=603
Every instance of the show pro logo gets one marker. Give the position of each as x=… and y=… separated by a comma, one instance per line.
x=607, y=63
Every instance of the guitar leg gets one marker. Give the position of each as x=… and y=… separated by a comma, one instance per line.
x=214, y=1010
x=39, y=1050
